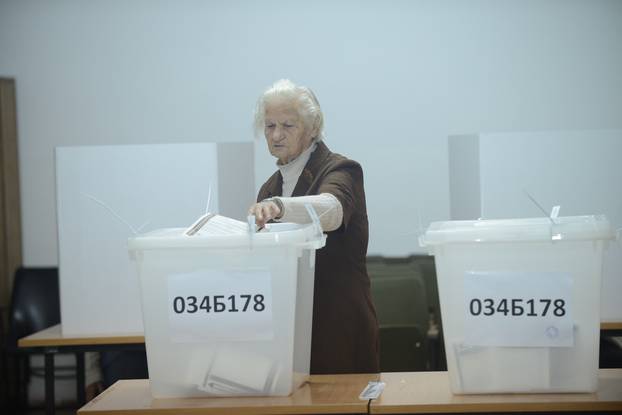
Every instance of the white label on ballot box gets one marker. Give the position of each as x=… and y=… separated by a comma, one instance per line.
x=518, y=309
x=209, y=305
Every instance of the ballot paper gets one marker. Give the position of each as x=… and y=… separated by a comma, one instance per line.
x=239, y=372
x=216, y=225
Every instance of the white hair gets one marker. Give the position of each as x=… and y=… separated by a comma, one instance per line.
x=305, y=102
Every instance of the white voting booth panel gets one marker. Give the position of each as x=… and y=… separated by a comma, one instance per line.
x=581, y=171
x=520, y=302
x=227, y=315
x=147, y=187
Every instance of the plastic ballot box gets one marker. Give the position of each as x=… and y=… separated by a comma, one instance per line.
x=227, y=314
x=520, y=302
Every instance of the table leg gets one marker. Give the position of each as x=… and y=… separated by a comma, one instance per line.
x=81, y=392
x=49, y=383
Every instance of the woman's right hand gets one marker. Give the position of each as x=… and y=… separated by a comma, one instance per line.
x=264, y=211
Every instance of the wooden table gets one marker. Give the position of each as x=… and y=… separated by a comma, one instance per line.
x=52, y=341
x=611, y=328
x=411, y=392
x=323, y=394
x=54, y=337
x=611, y=325
x=419, y=392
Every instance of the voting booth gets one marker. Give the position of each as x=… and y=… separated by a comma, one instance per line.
x=227, y=315
x=520, y=301
x=105, y=194
x=490, y=174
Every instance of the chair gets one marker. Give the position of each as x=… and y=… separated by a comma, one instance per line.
x=610, y=355
x=402, y=349
x=436, y=351
x=399, y=294
x=35, y=305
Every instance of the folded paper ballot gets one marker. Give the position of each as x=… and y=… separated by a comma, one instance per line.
x=216, y=225
x=256, y=375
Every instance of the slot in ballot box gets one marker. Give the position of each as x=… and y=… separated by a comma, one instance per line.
x=227, y=315
x=520, y=302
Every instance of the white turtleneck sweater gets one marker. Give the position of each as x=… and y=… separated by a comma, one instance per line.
x=326, y=205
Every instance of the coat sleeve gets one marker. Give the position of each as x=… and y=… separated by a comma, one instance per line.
x=345, y=182
x=263, y=193
x=269, y=188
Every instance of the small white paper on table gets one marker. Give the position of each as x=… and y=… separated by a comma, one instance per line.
x=538, y=325
x=217, y=305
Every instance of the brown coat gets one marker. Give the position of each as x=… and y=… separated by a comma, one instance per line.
x=345, y=327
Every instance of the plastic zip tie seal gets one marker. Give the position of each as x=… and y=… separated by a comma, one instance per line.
x=373, y=390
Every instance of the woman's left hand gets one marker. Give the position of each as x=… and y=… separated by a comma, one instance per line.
x=264, y=212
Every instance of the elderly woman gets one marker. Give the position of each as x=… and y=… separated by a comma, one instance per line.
x=345, y=328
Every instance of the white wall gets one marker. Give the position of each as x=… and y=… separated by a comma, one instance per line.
x=395, y=78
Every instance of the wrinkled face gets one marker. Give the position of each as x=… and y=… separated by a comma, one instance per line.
x=285, y=131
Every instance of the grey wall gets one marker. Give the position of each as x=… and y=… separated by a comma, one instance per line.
x=395, y=78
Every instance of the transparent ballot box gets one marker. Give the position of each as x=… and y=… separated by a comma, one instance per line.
x=520, y=302
x=227, y=315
